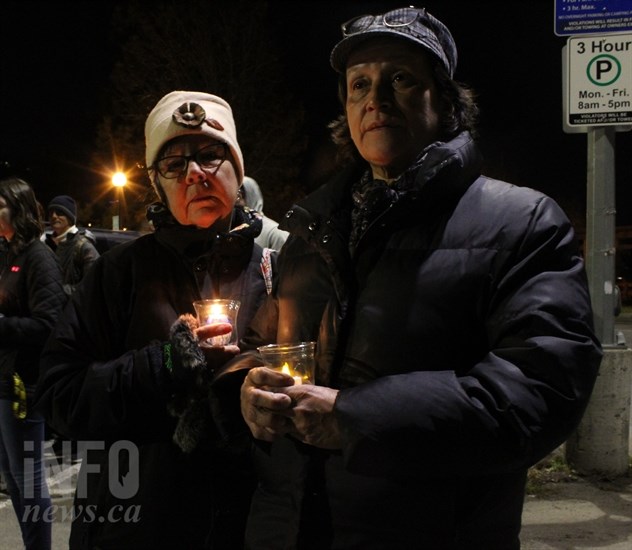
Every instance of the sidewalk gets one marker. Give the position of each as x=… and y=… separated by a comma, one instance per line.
x=572, y=514
x=581, y=513
x=575, y=514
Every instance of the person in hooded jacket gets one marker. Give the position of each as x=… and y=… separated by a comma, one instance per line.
x=455, y=345
x=124, y=373
x=251, y=196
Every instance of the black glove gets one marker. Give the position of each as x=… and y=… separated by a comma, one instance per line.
x=191, y=378
x=188, y=364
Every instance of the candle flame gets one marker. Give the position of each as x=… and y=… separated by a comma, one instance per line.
x=217, y=314
x=285, y=369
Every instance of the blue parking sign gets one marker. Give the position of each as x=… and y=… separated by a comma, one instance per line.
x=576, y=17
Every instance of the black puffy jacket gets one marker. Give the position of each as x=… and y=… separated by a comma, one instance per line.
x=31, y=299
x=104, y=383
x=459, y=332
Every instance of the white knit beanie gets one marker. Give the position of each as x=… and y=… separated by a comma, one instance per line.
x=181, y=113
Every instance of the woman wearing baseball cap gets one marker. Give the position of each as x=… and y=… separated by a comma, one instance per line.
x=124, y=369
x=454, y=332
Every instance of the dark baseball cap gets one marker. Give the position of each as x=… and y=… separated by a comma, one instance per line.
x=413, y=24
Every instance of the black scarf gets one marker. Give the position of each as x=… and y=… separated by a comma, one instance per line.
x=371, y=197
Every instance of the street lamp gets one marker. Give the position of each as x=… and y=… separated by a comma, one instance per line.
x=119, y=179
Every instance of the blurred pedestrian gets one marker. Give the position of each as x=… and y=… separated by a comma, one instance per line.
x=74, y=247
x=454, y=333
x=31, y=298
x=125, y=369
x=271, y=236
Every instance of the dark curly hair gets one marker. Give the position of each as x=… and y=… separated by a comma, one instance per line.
x=460, y=112
x=26, y=212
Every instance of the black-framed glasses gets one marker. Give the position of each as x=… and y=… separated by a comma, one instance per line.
x=209, y=157
x=400, y=17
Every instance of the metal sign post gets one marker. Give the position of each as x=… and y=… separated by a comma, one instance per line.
x=597, y=79
x=600, y=230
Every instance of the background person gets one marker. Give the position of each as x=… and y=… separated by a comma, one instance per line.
x=451, y=311
x=124, y=363
x=271, y=236
x=31, y=298
x=75, y=248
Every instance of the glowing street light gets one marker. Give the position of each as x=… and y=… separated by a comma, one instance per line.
x=119, y=179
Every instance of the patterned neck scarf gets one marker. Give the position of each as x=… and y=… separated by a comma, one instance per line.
x=372, y=197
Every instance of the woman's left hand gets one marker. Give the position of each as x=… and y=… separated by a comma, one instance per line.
x=216, y=356
x=312, y=415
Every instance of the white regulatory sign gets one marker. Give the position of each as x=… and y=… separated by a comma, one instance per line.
x=599, y=80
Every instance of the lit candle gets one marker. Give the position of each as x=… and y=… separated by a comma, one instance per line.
x=210, y=312
x=218, y=315
x=285, y=369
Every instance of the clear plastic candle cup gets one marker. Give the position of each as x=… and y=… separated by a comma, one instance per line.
x=218, y=311
x=296, y=359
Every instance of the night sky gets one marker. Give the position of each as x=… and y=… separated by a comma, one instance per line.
x=56, y=56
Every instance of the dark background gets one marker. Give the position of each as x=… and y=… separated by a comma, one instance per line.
x=57, y=57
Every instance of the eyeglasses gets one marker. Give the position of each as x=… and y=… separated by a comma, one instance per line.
x=401, y=17
x=208, y=157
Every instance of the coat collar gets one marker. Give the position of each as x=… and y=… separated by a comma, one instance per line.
x=444, y=171
x=194, y=242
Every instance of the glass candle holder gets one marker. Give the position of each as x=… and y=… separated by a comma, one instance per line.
x=218, y=311
x=296, y=359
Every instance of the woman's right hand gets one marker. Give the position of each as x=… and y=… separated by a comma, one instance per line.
x=216, y=356
x=261, y=405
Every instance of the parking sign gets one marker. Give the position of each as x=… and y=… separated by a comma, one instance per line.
x=599, y=80
x=592, y=16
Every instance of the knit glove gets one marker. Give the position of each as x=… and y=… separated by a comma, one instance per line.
x=188, y=364
x=191, y=379
x=192, y=369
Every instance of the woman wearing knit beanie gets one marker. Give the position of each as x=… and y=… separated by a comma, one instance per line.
x=125, y=368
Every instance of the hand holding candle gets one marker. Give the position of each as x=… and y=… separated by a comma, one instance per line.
x=273, y=408
x=218, y=311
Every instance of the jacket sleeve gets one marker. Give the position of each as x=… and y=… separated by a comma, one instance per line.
x=518, y=402
x=89, y=255
x=93, y=387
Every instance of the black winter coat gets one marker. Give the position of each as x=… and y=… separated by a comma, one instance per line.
x=104, y=383
x=459, y=332
x=77, y=253
x=31, y=299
